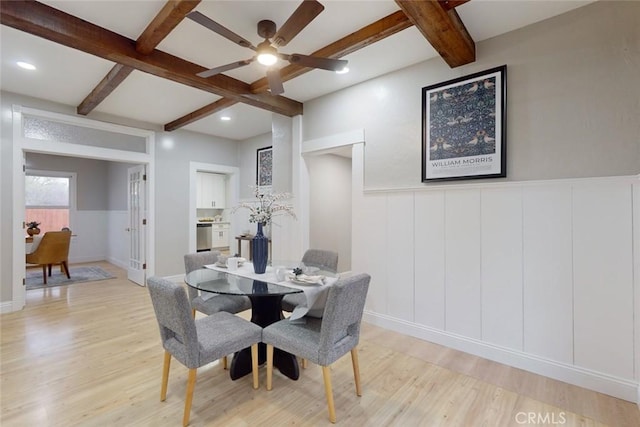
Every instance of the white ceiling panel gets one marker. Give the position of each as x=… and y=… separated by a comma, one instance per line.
x=154, y=99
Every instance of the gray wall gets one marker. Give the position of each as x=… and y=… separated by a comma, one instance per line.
x=117, y=174
x=330, y=205
x=572, y=106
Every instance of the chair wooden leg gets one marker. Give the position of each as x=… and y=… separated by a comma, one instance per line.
x=49, y=270
x=224, y=362
x=254, y=365
x=356, y=370
x=269, y=366
x=65, y=266
x=193, y=313
x=165, y=376
x=326, y=374
x=191, y=383
x=44, y=273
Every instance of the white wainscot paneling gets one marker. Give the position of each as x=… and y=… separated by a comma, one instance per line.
x=462, y=263
x=429, y=259
x=603, y=278
x=369, y=243
x=502, y=267
x=399, y=257
x=118, y=238
x=548, y=298
x=90, y=240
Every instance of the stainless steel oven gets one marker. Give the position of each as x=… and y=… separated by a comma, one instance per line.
x=203, y=237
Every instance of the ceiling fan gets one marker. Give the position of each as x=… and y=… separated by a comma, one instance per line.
x=267, y=51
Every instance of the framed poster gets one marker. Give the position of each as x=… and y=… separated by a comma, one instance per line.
x=464, y=127
x=264, y=167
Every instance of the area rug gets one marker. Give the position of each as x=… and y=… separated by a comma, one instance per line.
x=58, y=278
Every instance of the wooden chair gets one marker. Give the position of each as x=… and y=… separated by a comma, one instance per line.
x=197, y=342
x=53, y=249
x=323, y=341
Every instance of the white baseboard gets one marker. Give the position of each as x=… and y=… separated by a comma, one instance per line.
x=618, y=387
x=83, y=259
x=117, y=263
x=6, y=307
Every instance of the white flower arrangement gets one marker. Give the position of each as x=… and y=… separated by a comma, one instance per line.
x=268, y=205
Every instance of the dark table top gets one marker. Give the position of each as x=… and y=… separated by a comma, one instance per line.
x=208, y=280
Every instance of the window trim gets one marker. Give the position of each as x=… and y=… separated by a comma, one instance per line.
x=72, y=191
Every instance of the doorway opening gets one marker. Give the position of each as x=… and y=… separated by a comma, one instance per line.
x=76, y=137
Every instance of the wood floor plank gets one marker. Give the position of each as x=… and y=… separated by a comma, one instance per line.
x=89, y=354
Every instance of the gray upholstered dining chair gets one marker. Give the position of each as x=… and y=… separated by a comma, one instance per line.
x=323, y=341
x=229, y=303
x=215, y=303
x=197, y=342
x=324, y=260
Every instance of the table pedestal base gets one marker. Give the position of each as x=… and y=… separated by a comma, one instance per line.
x=266, y=309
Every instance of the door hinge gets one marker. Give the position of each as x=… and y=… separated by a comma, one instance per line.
x=144, y=221
x=24, y=168
x=24, y=281
x=24, y=225
x=144, y=266
x=144, y=177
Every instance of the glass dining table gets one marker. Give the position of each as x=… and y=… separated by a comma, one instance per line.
x=266, y=308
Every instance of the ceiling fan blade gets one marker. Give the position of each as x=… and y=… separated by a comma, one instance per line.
x=300, y=18
x=223, y=68
x=217, y=28
x=275, y=82
x=318, y=62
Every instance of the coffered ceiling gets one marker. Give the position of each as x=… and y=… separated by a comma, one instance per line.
x=139, y=59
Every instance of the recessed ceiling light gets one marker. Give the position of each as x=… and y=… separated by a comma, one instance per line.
x=225, y=118
x=345, y=70
x=26, y=65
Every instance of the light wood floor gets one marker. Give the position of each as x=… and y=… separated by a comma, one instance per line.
x=90, y=355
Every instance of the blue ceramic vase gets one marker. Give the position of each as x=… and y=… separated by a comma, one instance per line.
x=260, y=249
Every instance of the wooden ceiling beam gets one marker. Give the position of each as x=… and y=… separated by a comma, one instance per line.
x=451, y=4
x=200, y=113
x=171, y=14
x=108, y=84
x=443, y=29
x=364, y=37
x=52, y=24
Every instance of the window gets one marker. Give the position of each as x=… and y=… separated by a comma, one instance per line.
x=48, y=197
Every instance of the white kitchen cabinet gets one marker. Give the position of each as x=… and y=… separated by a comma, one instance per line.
x=220, y=235
x=211, y=193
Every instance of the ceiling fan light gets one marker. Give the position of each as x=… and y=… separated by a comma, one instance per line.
x=267, y=58
x=344, y=70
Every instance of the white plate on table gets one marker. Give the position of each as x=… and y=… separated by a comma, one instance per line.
x=304, y=282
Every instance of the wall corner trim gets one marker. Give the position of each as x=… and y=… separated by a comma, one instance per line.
x=333, y=141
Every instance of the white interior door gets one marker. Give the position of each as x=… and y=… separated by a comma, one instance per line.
x=137, y=222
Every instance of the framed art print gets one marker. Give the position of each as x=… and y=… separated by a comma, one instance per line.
x=464, y=127
x=264, y=167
